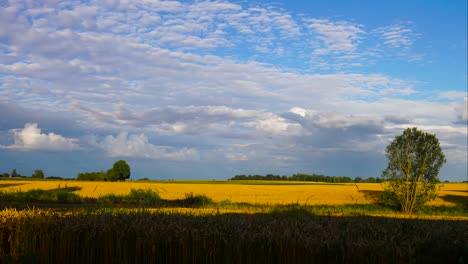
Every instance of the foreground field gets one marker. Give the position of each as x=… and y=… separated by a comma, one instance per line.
x=268, y=193
x=224, y=222
x=292, y=236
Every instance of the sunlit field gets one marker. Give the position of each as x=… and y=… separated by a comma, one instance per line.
x=253, y=192
x=242, y=221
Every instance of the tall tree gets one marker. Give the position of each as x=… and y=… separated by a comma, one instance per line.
x=414, y=160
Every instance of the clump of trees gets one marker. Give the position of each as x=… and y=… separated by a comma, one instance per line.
x=306, y=177
x=38, y=174
x=120, y=171
x=414, y=160
x=93, y=176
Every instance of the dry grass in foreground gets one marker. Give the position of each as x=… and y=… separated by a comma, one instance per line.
x=291, y=236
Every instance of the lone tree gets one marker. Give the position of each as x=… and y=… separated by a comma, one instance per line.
x=38, y=174
x=120, y=171
x=414, y=160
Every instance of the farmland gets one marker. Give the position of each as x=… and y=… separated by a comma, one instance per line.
x=241, y=222
x=253, y=192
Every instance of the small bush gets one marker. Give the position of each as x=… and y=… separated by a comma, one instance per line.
x=195, y=201
x=136, y=197
x=227, y=203
x=111, y=199
x=143, y=197
x=65, y=196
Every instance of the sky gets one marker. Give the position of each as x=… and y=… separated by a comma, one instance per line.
x=211, y=89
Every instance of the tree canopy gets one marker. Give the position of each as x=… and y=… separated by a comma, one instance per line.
x=120, y=171
x=414, y=160
x=38, y=174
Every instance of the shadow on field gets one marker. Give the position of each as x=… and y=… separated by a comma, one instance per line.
x=33, y=197
x=371, y=195
x=5, y=185
x=462, y=191
x=293, y=236
x=66, y=188
x=456, y=199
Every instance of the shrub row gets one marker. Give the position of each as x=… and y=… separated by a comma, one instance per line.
x=136, y=198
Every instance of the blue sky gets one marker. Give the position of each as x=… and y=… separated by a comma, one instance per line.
x=210, y=89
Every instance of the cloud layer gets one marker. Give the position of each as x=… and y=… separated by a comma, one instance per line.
x=212, y=82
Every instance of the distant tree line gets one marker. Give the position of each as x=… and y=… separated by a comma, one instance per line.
x=38, y=174
x=119, y=172
x=307, y=177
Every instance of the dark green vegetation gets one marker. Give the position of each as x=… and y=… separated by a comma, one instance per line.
x=289, y=236
x=244, y=182
x=306, y=177
x=414, y=160
x=62, y=197
x=38, y=174
x=93, y=176
x=59, y=195
x=120, y=171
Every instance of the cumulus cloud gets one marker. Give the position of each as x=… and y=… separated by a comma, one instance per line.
x=31, y=138
x=274, y=125
x=125, y=145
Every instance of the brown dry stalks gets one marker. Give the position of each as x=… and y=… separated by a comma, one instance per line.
x=289, y=237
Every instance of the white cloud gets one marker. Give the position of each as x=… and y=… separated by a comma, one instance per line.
x=397, y=36
x=453, y=95
x=170, y=120
x=125, y=145
x=335, y=37
x=233, y=156
x=462, y=110
x=274, y=125
x=31, y=138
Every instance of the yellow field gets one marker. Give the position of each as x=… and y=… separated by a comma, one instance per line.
x=255, y=194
